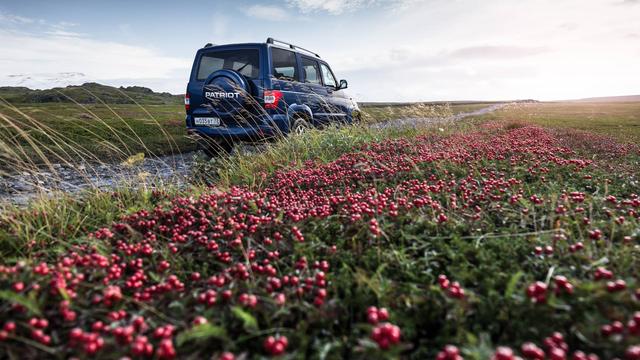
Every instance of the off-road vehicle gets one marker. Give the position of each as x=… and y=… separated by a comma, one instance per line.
x=257, y=91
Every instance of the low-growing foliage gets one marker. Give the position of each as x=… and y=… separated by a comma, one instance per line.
x=441, y=245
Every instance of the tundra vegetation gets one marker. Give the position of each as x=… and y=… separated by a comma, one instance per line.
x=496, y=237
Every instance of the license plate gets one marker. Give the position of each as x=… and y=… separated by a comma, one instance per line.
x=206, y=121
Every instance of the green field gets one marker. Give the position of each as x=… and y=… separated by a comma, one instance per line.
x=98, y=132
x=60, y=132
x=93, y=132
x=617, y=119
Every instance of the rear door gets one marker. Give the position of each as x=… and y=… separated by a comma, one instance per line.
x=337, y=102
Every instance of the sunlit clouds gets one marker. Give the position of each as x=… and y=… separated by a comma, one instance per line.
x=394, y=50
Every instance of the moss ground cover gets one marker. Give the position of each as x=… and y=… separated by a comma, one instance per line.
x=500, y=242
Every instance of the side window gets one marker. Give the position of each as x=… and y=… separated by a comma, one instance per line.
x=310, y=71
x=327, y=76
x=285, y=66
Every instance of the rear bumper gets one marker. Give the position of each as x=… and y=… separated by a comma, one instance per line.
x=270, y=126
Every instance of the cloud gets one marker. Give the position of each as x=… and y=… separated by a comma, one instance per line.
x=337, y=7
x=334, y=7
x=221, y=25
x=21, y=23
x=63, y=33
x=63, y=78
x=568, y=26
x=55, y=59
x=64, y=24
x=266, y=12
x=409, y=58
x=434, y=49
x=14, y=19
x=496, y=52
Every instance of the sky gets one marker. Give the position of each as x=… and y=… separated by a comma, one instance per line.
x=388, y=50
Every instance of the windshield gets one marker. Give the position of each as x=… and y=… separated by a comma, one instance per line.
x=245, y=61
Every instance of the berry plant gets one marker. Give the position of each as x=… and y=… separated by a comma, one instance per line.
x=499, y=243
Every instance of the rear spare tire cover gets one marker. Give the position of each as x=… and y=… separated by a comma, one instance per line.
x=227, y=92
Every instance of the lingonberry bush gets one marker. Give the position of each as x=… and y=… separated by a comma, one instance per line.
x=500, y=243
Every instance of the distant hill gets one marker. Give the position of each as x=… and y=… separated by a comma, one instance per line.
x=89, y=93
x=628, y=98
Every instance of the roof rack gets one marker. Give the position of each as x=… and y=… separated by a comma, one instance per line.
x=294, y=47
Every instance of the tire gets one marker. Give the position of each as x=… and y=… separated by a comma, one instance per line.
x=227, y=82
x=299, y=126
x=215, y=147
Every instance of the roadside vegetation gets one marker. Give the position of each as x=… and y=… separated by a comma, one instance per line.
x=76, y=133
x=87, y=128
x=480, y=239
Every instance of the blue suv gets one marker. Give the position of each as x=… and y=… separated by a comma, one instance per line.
x=257, y=91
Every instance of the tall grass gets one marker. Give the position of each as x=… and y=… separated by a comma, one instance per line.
x=322, y=146
x=58, y=219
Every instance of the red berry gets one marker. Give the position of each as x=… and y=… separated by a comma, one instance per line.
x=531, y=351
x=579, y=355
x=557, y=354
x=18, y=287
x=451, y=351
x=617, y=327
x=9, y=326
x=503, y=353
x=227, y=356
x=632, y=353
x=383, y=314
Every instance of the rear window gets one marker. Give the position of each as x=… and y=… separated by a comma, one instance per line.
x=246, y=62
x=285, y=66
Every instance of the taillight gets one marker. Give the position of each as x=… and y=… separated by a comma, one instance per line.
x=187, y=102
x=271, y=98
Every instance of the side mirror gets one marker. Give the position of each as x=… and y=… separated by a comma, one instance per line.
x=343, y=84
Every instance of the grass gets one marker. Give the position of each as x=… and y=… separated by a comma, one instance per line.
x=619, y=120
x=322, y=146
x=464, y=210
x=382, y=112
x=92, y=132
x=473, y=201
x=44, y=218
x=95, y=133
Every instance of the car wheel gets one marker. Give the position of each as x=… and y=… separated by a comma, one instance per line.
x=300, y=126
x=215, y=147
